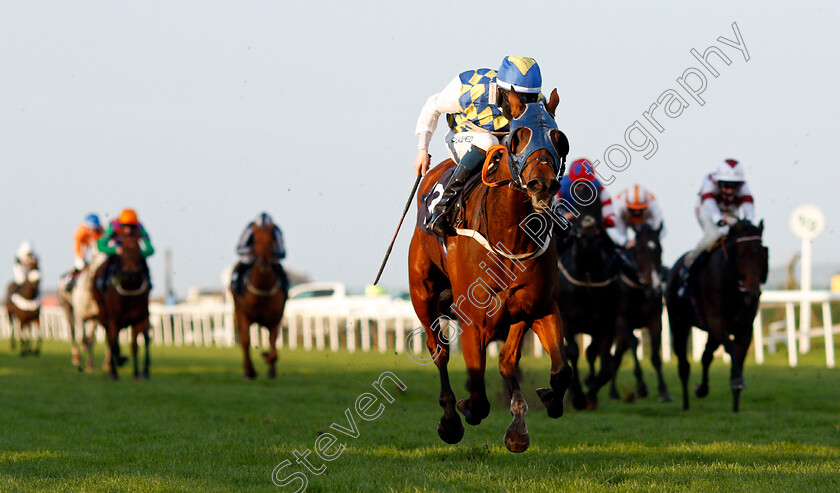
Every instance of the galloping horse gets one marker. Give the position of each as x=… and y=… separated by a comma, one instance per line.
x=23, y=305
x=587, y=294
x=125, y=302
x=640, y=305
x=500, y=275
x=81, y=309
x=262, y=301
x=723, y=302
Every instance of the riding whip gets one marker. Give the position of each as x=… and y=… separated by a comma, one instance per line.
x=405, y=211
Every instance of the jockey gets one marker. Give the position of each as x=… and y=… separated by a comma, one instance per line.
x=25, y=262
x=636, y=206
x=245, y=248
x=581, y=170
x=84, y=242
x=724, y=194
x=127, y=223
x=109, y=243
x=478, y=113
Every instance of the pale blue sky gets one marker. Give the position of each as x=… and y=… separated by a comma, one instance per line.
x=201, y=114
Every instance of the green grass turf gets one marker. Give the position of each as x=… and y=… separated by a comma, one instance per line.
x=196, y=426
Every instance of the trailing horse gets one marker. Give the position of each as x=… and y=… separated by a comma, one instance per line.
x=124, y=302
x=262, y=301
x=723, y=295
x=587, y=294
x=23, y=305
x=499, y=273
x=81, y=311
x=640, y=305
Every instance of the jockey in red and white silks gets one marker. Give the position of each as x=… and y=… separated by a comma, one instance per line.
x=724, y=196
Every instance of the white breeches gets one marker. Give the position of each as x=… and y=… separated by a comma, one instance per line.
x=459, y=143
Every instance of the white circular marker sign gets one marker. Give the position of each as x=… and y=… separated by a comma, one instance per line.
x=807, y=222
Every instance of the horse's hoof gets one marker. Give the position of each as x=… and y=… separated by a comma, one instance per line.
x=614, y=394
x=37, y=352
x=112, y=377
x=579, y=402
x=138, y=378
x=272, y=373
x=451, y=431
x=554, y=407
x=592, y=403
x=701, y=391
x=516, y=438
x=146, y=375
x=738, y=384
x=122, y=361
x=249, y=375
x=665, y=397
x=89, y=369
x=469, y=417
x=642, y=391
x=80, y=369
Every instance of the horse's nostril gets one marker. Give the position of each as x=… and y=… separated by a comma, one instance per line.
x=554, y=187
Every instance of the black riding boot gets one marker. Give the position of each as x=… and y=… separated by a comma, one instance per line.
x=236, y=277
x=440, y=222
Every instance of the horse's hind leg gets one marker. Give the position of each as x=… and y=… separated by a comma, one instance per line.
x=550, y=331
x=712, y=344
x=87, y=342
x=270, y=356
x=602, y=348
x=141, y=328
x=516, y=438
x=134, y=334
x=477, y=407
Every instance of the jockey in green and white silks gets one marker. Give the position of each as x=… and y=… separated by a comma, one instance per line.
x=478, y=114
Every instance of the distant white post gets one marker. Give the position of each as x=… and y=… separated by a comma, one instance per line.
x=806, y=222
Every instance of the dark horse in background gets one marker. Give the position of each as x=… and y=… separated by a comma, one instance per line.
x=497, y=294
x=125, y=302
x=23, y=305
x=723, y=294
x=587, y=294
x=262, y=301
x=640, y=305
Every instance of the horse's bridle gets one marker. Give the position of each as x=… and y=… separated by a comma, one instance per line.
x=540, y=123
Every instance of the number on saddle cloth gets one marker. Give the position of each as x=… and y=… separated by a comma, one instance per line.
x=429, y=200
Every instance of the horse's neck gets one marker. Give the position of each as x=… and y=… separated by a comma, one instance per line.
x=263, y=277
x=587, y=260
x=506, y=209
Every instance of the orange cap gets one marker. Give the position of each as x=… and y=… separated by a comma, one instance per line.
x=128, y=216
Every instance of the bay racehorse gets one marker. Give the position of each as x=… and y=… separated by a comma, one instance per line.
x=82, y=312
x=262, y=301
x=125, y=302
x=587, y=294
x=640, y=305
x=23, y=305
x=721, y=299
x=499, y=273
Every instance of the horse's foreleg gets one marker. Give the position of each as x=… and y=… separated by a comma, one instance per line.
x=271, y=355
x=74, y=344
x=679, y=335
x=40, y=341
x=620, y=348
x=516, y=438
x=134, y=334
x=602, y=350
x=575, y=388
x=712, y=344
x=88, y=341
x=633, y=345
x=655, y=330
x=739, y=355
x=477, y=407
x=146, y=359
x=114, y=357
x=549, y=329
x=243, y=325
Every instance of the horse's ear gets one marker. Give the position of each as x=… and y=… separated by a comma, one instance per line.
x=517, y=107
x=761, y=227
x=551, y=104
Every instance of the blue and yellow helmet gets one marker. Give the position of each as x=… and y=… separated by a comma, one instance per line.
x=521, y=73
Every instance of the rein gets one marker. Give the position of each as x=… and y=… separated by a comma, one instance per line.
x=130, y=292
x=587, y=284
